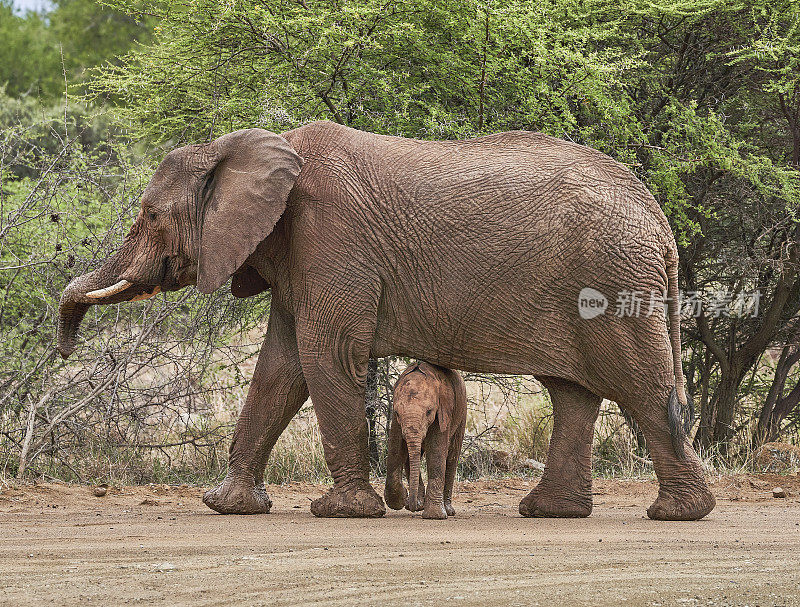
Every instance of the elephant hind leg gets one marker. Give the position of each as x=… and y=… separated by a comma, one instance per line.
x=566, y=486
x=451, y=467
x=683, y=494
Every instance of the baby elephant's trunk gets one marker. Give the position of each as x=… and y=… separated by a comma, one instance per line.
x=414, y=454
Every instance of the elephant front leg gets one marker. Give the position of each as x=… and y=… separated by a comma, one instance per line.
x=566, y=486
x=420, y=487
x=451, y=467
x=276, y=393
x=337, y=391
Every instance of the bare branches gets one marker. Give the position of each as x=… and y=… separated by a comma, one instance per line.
x=153, y=383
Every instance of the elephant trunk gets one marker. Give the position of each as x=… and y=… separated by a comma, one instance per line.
x=102, y=286
x=70, y=315
x=414, y=454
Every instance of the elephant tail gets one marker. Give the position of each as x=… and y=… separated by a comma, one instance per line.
x=678, y=402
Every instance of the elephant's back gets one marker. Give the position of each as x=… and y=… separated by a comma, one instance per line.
x=495, y=161
x=503, y=202
x=545, y=197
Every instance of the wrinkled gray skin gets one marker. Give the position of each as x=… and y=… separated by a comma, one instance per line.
x=467, y=254
x=429, y=417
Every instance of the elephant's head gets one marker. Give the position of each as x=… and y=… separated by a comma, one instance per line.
x=204, y=212
x=422, y=397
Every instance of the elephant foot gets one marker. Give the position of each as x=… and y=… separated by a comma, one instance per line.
x=682, y=505
x=395, y=498
x=236, y=497
x=354, y=501
x=545, y=501
x=448, y=507
x=434, y=510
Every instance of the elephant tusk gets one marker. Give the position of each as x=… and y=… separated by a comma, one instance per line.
x=143, y=296
x=112, y=290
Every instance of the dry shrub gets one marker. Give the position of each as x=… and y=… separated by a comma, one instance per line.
x=298, y=454
x=527, y=434
x=616, y=449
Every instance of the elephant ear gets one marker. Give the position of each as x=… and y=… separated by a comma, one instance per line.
x=245, y=195
x=452, y=399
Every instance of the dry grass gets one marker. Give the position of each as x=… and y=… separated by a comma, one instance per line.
x=527, y=433
x=298, y=454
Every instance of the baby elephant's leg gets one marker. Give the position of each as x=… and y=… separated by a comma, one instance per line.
x=451, y=467
x=436, y=449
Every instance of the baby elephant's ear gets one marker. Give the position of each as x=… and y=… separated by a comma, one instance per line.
x=447, y=402
x=245, y=195
x=452, y=399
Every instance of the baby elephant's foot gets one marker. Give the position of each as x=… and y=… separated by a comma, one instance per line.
x=395, y=497
x=238, y=497
x=556, y=502
x=415, y=507
x=448, y=507
x=353, y=501
x=434, y=510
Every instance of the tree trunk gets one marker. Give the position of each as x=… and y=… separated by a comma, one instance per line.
x=372, y=412
x=724, y=407
x=776, y=405
x=772, y=428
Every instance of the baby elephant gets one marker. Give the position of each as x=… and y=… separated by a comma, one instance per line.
x=430, y=414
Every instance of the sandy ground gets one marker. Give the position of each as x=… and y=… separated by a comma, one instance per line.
x=60, y=545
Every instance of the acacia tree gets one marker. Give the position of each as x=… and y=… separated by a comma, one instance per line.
x=774, y=53
x=422, y=68
x=723, y=105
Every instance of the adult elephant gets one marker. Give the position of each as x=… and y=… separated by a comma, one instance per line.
x=467, y=254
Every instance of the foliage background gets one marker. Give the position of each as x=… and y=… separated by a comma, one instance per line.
x=700, y=98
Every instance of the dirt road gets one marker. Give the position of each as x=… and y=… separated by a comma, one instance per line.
x=159, y=545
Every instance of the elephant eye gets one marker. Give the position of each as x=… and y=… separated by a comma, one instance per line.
x=152, y=215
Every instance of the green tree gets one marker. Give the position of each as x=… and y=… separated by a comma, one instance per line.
x=29, y=60
x=92, y=33
x=42, y=53
x=719, y=96
x=417, y=68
